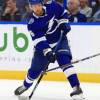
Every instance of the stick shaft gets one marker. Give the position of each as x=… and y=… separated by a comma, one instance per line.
x=40, y=78
x=74, y=62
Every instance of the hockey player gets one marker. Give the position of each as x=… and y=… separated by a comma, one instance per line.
x=46, y=23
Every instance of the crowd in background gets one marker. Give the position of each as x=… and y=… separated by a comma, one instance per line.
x=78, y=10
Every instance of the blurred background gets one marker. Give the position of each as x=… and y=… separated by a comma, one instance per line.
x=78, y=10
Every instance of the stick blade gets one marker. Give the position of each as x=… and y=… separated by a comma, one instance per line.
x=23, y=98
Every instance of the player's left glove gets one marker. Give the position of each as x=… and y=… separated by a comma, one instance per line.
x=50, y=55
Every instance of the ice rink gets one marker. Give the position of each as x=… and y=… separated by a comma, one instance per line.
x=48, y=90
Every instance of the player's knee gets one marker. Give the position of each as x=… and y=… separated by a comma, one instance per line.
x=64, y=58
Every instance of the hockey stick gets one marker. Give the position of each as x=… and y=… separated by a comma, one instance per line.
x=64, y=66
x=74, y=62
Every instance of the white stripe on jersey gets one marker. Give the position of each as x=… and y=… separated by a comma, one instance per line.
x=38, y=40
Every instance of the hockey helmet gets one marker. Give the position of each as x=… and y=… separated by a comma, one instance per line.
x=33, y=2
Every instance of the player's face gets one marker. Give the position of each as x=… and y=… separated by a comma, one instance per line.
x=37, y=9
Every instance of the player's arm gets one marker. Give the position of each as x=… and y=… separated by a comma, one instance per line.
x=37, y=35
x=41, y=44
x=63, y=18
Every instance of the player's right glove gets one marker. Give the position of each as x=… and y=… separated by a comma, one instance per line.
x=50, y=55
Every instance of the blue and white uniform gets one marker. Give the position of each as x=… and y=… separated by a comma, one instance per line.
x=45, y=32
x=78, y=17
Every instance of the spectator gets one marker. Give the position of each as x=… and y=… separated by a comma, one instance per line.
x=1, y=3
x=59, y=1
x=1, y=7
x=85, y=9
x=92, y=3
x=96, y=17
x=27, y=13
x=74, y=14
x=95, y=7
x=11, y=12
x=21, y=4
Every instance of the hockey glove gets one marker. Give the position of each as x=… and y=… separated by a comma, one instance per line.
x=51, y=57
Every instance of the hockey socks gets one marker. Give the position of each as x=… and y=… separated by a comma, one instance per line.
x=28, y=82
x=71, y=76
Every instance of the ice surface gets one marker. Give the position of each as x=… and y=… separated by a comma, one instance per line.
x=48, y=90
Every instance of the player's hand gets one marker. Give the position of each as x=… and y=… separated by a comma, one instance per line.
x=51, y=57
x=7, y=10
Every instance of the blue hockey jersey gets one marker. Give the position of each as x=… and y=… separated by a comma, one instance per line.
x=46, y=30
x=78, y=17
